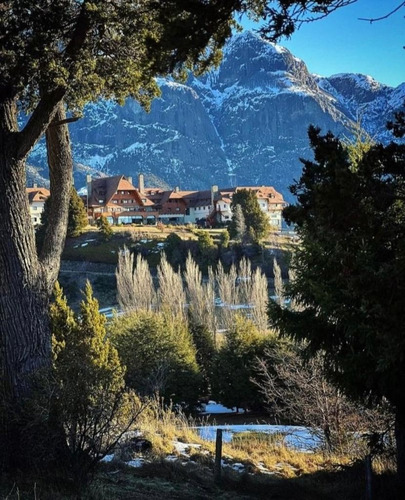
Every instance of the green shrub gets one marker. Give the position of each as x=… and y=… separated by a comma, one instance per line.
x=104, y=227
x=159, y=355
x=89, y=397
x=234, y=366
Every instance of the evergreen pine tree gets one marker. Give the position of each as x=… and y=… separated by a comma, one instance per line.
x=204, y=343
x=256, y=221
x=77, y=219
x=104, y=227
x=238, y=226
x=234, y=366
x=89, y=399
x=159, y=354
x=349, y=272
x=225, y=238
x=205, y=243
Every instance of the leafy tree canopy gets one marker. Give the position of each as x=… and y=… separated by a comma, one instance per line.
x=104, y=48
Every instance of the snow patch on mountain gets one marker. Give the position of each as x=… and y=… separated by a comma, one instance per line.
x=244, y=122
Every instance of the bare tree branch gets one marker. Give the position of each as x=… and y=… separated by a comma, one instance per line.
x=65, y=121
x=372, y=20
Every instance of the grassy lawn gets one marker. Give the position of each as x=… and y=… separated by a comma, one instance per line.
x=91, y=247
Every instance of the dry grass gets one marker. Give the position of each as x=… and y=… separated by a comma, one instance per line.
x=164, y=426
x=293, y=475
x=275, y=456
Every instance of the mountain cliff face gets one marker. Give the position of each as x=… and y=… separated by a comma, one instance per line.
x=244, y=123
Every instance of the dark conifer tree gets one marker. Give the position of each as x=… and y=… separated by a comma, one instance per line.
x=256, y=221
x=104, y=227
x=349, y=270
x=77, y=219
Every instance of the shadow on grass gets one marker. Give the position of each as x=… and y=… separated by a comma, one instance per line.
x=347, y=483
x=188, y=480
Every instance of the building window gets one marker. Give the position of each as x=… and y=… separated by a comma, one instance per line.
x=101, y=201
x=115, y=201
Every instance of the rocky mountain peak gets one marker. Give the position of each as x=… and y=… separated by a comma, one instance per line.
x=244, y=123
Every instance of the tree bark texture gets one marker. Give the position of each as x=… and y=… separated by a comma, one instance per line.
x=26, y=281
x=60, y=174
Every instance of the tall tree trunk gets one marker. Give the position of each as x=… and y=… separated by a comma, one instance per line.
x=25, y=281
x=60, y=174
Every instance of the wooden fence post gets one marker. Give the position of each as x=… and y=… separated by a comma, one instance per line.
x=218, y=457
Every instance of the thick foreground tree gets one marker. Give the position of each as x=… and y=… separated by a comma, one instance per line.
x=350, y=270
x=57, y=55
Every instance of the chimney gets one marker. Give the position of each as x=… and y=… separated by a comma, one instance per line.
x=129, y=179
x=88, y=182
x=176, y=189
x=34, y=185
x=141, y=183
x=214, y=192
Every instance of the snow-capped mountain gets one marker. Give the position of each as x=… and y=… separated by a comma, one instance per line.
x=243, y=123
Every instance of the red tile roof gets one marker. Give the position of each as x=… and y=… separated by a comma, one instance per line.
x=37, y=194
x=105, y=188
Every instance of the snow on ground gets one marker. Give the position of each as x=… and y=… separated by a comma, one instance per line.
x=137, y=462
x=295, y=436
x=236, y=466
x=183, y=447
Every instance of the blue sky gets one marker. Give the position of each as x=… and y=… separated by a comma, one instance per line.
x=341, y=43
